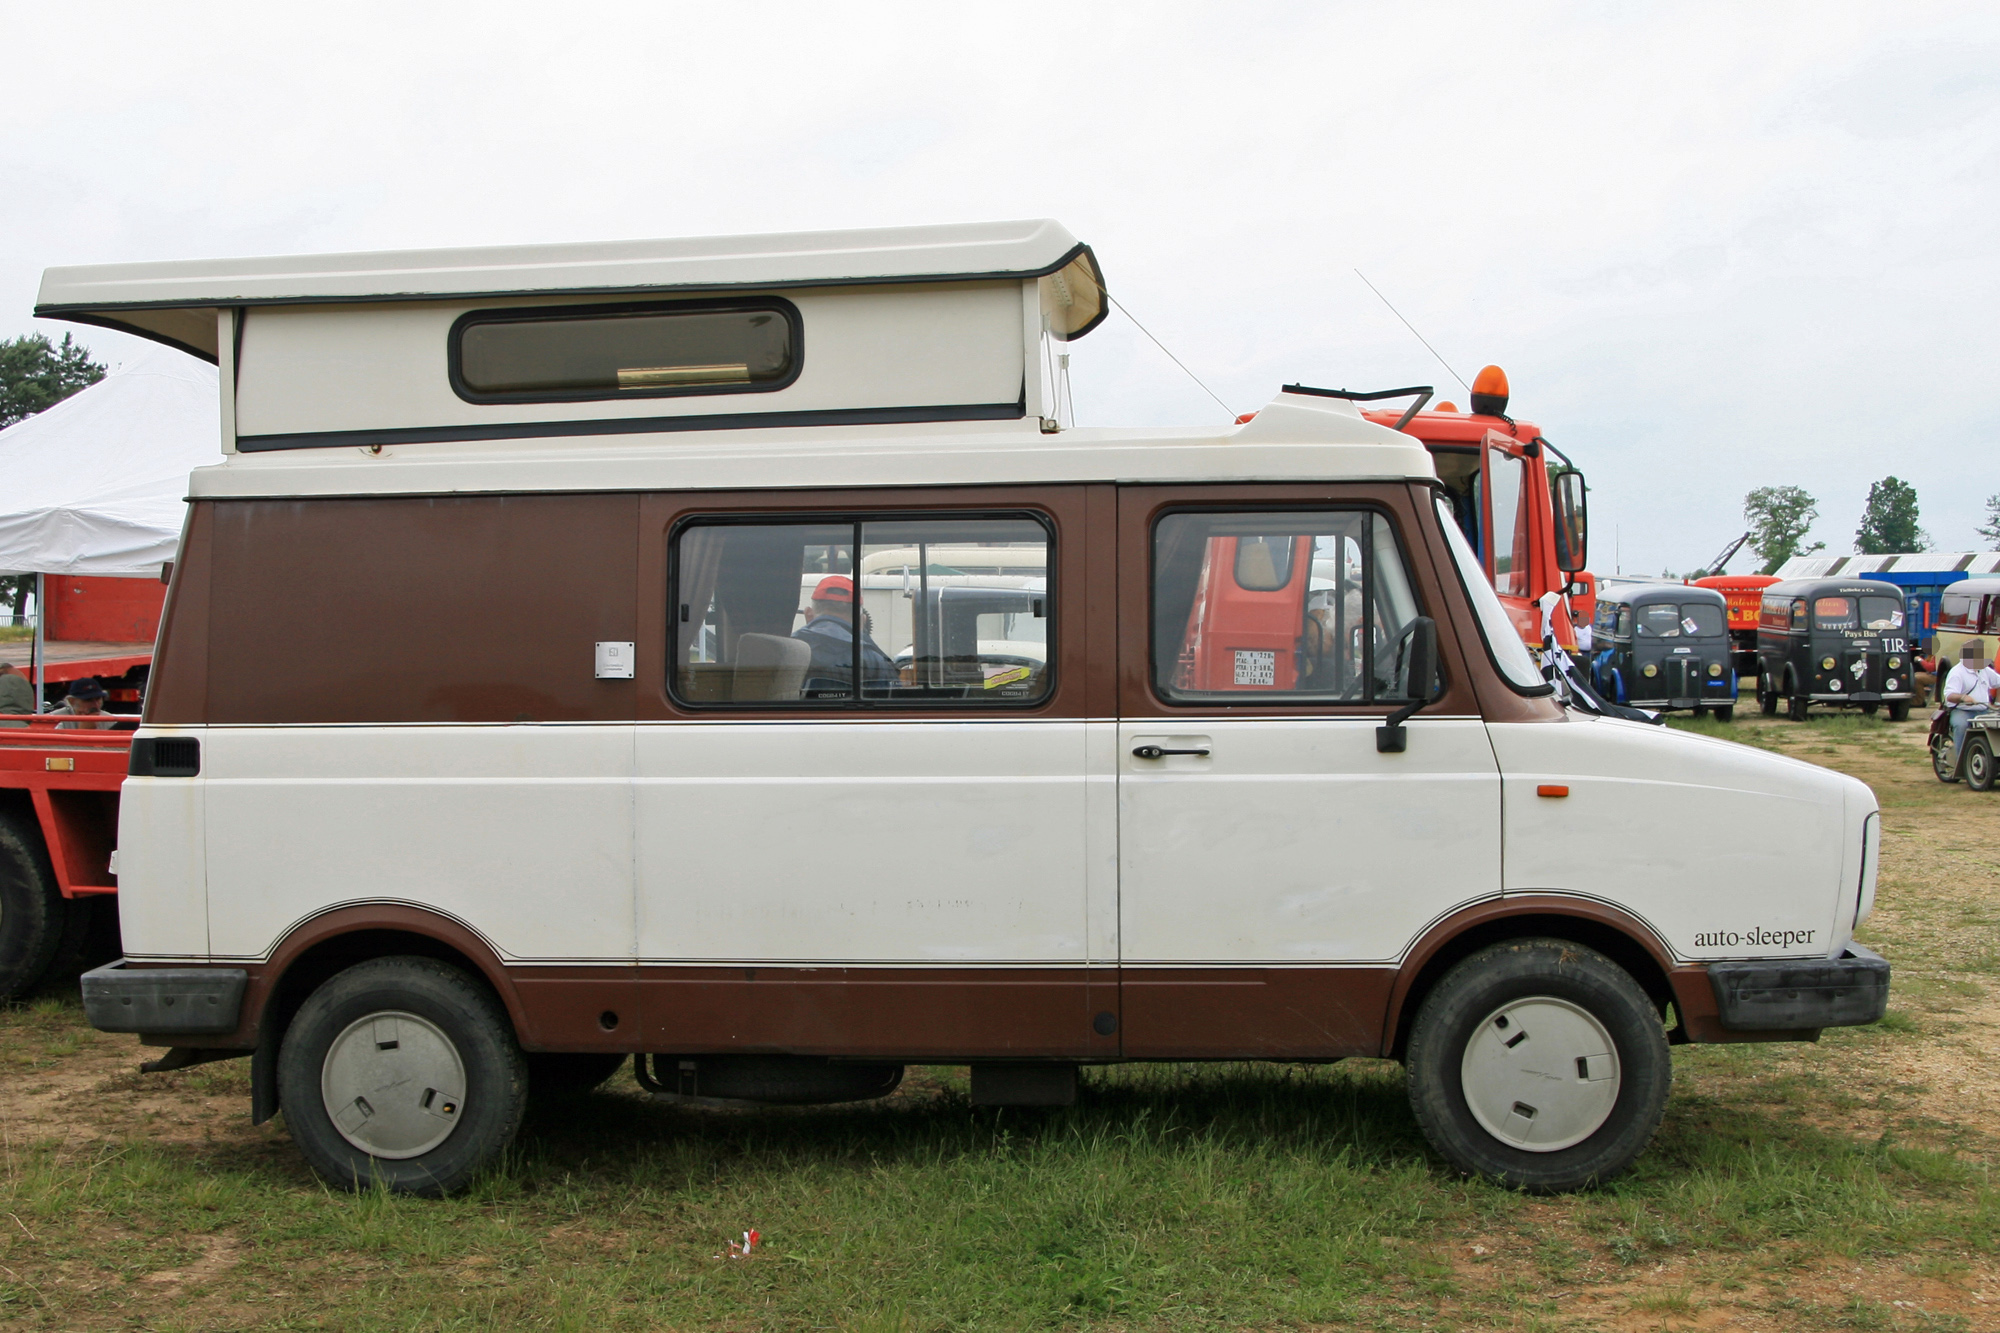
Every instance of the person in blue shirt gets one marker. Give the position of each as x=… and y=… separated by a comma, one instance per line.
x=829, y=631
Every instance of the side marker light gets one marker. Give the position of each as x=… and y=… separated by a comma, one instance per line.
x=1551, y=789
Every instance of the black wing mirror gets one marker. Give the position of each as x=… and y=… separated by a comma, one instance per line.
x=1391, y=737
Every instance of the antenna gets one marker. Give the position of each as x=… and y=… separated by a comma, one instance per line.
x=1412, y=328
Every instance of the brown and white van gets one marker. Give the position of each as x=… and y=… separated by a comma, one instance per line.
x=720, y=654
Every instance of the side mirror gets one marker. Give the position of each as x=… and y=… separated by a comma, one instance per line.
x=1391, y=737
x=1571, y=522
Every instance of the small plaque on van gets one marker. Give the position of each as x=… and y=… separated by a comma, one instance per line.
x=1256, y=666
x=614, y=661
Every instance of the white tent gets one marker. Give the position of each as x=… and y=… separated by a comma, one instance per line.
x=96, y=484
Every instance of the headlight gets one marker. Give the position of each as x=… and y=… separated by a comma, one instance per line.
x=1890, y=683
x=1649, y=670
x=1715, y=668
x=1826, y=664
x=1895, y=662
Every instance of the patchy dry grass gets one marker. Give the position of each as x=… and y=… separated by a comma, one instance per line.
x=1840, y=1185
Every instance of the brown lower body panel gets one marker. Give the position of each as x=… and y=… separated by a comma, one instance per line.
x=1255, y=1013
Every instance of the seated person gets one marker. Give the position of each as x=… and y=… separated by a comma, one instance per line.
x=85, y=700
x=17, y=693
x=829, y=631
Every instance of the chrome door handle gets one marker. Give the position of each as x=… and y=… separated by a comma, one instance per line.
x=1155, y=752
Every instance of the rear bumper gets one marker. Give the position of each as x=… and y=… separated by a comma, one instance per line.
x=171, y=1001
x=1792, y=994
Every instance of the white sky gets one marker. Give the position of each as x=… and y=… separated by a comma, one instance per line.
x=1714, y=246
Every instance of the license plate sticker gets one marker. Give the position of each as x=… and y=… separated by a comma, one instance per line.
x=1256, y=666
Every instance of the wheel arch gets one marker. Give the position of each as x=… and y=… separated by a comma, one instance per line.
x=1617, y=934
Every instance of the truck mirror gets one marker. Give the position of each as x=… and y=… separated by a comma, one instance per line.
x=1571, y=532
x=1391, y=737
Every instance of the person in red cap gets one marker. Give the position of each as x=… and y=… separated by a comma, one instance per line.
x=829, y=631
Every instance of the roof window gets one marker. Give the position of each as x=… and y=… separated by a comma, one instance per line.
x=652, y=350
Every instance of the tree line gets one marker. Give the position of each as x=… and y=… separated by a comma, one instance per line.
x=1779, y=518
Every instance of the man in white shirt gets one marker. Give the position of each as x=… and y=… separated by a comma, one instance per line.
x=1968, y=690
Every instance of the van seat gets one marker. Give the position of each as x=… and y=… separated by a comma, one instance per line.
x=769, y=666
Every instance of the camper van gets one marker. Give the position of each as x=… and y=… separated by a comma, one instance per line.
x=873, y=714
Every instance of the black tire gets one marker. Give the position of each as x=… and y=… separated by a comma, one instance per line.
x=1899, y=710
x=1869, y=709
x=1767, y=700
x=557, y=1076
x=1979, y=763
x=1945, y=770
x=1727, y=713
x=33, y=912
x=1457, y=1012
x=459, y=1011
x=1796, y=703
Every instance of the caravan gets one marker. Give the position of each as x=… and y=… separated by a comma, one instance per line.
x=873, y=714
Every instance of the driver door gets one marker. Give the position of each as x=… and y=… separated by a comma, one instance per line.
x=1274, y=865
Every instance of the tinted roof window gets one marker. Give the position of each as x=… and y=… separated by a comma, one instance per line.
x=539, y=356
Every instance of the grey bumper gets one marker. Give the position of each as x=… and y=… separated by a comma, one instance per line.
x=166, y=1000
x=1789, y=994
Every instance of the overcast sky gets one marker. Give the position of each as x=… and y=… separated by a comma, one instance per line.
x=1714, y=246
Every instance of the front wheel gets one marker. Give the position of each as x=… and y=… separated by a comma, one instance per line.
x=1539, y=1063
x=403, y=1071
x=1899, y=710
x=34, y=916
x=1979, y=763
x=1942, y=760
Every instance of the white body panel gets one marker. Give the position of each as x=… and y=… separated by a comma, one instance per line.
x=882, y=842
x=522, y=833
x=382, y=367
x=1726, y=851
x=1295, y=841
x=162, y=867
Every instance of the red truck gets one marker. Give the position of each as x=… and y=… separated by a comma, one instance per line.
x=59, y=785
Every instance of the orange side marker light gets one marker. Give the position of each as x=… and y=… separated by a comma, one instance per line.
x=59, y=765
x=1551, y=789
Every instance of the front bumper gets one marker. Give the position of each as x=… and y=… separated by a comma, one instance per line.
x=1782, y=995
x=170, y=1001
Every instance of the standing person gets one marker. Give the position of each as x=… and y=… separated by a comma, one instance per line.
x=829, y=630
x=85, y=700
x=17, y=693
x=1968, y=691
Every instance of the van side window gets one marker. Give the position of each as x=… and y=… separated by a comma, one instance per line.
x=1624, y=629
x=1799, y=614
x=624, y=351
x=1255, y=607
x=853, y=613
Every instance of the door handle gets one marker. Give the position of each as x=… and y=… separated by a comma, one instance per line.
x=1156, y=752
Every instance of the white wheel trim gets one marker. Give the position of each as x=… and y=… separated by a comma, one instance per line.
x=1540, y=1074
x=393, y=1085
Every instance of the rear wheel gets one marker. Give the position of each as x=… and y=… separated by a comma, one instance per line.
x=34, y=916
x=1727, y=713
x=1539, y=1063
x=1869, y=709
x=1899, y=710
x=1941, y=759
x=403, y=1071
x=1979, y=763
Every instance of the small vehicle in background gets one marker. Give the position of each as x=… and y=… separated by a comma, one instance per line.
x=1664, y=646
x=1840, y=643
x=1974, y=765
x=1745, y=595
x=1968, y=609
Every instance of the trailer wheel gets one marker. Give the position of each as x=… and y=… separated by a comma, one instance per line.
x=553, y=1076
x=403, y=1071
x=1540, y=1064
x=1979, y=763
x=33, y=913
x=1899, y=710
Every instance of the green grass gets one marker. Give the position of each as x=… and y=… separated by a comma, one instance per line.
x=16, y=633
x=1171, y=1196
